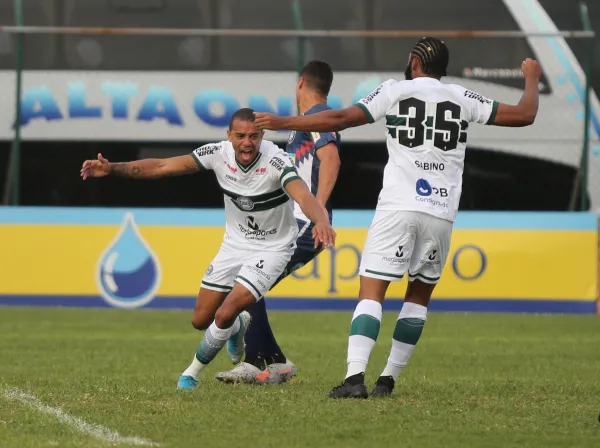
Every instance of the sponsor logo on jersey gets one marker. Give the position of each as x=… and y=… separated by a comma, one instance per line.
x=277, y=163
x=367, y=99
x=425, y=190
x=252, y=223
x=399, y=258
x=231, y=168
x=252, y=230
x=206, y=150
x=244, y=203
x=260, y=171
x=230, y=177
x=430, y=166
x=478, y=97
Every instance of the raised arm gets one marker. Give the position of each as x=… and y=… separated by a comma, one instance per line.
x=326, y=121
x=368, y=110
x=140, y=169
x=524, y=113
x=322, y=231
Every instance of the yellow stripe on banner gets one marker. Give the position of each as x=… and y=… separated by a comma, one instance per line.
x=502, y=264
x=483, y=264
x=62, y=259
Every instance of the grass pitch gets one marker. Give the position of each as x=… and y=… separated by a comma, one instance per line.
x=475, y=380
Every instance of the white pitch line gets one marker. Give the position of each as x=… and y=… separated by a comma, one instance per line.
x=97, y=431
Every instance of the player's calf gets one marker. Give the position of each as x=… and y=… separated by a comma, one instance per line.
x=407, y=332
x=226, y=324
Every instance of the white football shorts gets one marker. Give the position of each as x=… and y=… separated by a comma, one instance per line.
x=256, y=271
x=404, y=241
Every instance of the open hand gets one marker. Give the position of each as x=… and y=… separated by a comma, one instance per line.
x=324, y=233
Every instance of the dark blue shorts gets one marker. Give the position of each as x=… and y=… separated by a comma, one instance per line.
x=305, y=250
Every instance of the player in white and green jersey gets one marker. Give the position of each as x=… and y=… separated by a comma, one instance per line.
x=257, y=179
x=426, y=124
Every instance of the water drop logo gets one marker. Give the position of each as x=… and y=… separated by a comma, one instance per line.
x=128, y=272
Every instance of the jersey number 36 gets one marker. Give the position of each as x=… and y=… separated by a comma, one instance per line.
x=412, y=127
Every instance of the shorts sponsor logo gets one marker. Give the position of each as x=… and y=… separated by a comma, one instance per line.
x=399, y=257
x=252, y=230
x=258, y=269
x=430, y=166
x=432, y=259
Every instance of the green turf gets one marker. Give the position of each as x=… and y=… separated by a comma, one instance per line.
x=475, y=380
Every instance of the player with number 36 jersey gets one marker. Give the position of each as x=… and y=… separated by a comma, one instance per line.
x=426, y=125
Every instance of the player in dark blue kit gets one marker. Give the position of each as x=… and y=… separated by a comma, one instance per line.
x=317, y=160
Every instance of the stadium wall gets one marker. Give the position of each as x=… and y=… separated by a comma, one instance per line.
x=155, y=258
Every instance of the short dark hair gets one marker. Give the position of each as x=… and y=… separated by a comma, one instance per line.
x=318, y=76
x=244, y=114
x=434, y=56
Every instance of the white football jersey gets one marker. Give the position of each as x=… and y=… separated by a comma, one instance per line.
x=426, y=126
x=258, y=211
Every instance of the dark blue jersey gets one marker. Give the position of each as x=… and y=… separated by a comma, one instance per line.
x=302, y=148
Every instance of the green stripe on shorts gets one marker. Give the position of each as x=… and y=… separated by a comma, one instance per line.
x=214, y=285
x=250, y=283
x=384, y=274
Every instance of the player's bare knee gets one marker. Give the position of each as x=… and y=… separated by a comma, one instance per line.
x=226, y=315
x=419, y=292
x=201, y=321
x=372, y=289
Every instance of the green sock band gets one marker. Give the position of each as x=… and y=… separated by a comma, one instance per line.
x=408, y=330
x=365, y=325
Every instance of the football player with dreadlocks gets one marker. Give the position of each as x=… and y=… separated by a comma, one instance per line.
x=426, y=132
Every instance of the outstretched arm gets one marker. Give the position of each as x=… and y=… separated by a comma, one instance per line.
x=326, y=121
x=153, y=168
x=140, y=169
x=524, y=113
